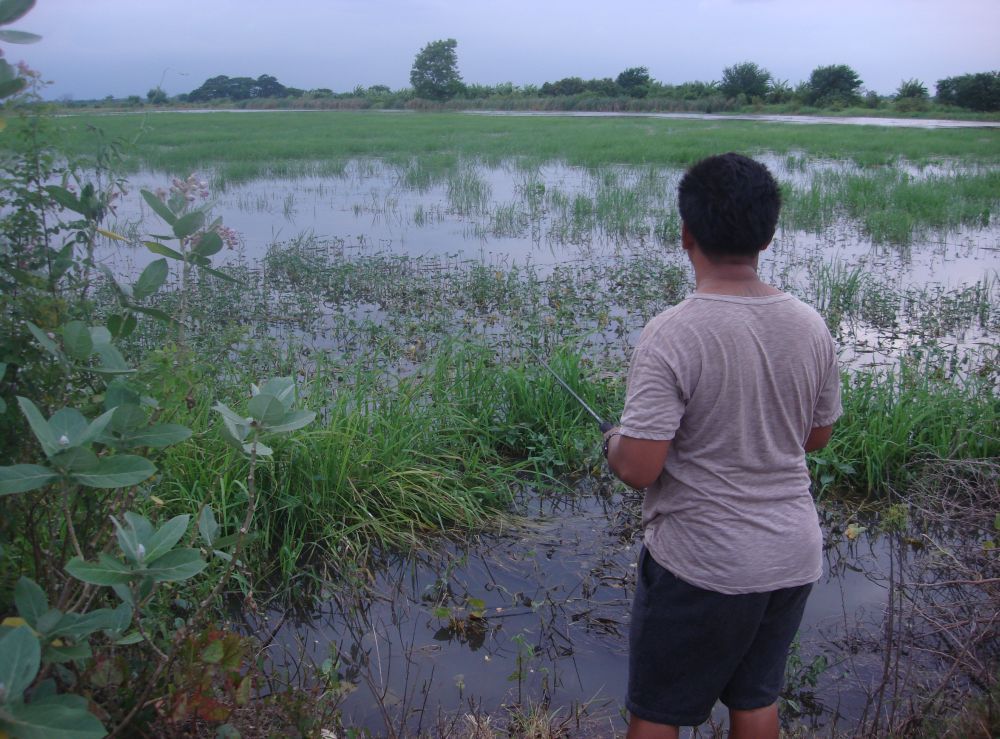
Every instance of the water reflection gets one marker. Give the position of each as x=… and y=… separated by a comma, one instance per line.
x=539, y=614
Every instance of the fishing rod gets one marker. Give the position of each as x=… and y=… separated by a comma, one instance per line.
x=603, y=425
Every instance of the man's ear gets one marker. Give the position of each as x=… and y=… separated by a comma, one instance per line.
x=687, y=238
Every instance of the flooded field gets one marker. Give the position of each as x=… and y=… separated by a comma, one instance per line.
x=607, y=238
x=382, y=265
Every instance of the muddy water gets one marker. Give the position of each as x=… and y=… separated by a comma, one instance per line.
x=538, y=615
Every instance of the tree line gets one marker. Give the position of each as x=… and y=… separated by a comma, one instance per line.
x=435, y=78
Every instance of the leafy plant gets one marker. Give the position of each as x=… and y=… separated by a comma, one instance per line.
x=45, y=714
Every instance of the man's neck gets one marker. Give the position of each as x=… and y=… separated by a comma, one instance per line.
x=737, y=278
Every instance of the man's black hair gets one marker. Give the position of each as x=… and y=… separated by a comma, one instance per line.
x=730, y=205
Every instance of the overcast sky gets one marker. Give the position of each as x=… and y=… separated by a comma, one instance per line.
x=94, y=48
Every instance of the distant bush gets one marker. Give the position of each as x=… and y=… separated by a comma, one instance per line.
x=745, y=80
x=834, y=86
x=980, y=91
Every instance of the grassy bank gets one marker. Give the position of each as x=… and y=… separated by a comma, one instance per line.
x=248, y=145
x=445, y=449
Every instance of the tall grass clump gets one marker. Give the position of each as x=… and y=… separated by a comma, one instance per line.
x=893, y=206
x=395, y=460
x=895, y=420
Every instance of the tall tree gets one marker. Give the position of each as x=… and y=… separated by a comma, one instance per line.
x=635, y=81
x=745, y=79
x=832, y=85
x=434, y=74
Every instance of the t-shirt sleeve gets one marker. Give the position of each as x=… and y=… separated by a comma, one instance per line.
x=654, y=402
x=828, y=405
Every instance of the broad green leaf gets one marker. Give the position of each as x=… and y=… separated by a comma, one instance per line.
x=119, y=393
x=162, y=249
x=283, y=388
x=118, y=471
x=96, y=427
x=165, y=538
x=123, y=291
x=213, y=653
x=77, y=341
x=155, y=313
x=60, y=263
x=100, y=335
x=11, y=10
x=57, y=717
x=74, y=460
x=140, y=524
x=261, y=450
x=11, y=85
x=20, y=478
x=19, y=37
x=188, y=224
x=123, y=592
x=226, y=412
x=40, y=427
x=151, y=279
x=292, y=421
x=68, y=427
x=115, y=321
x=208, y=245
x=159, y=207
x=66, y=653
x=128, y=417
x=112, y=361
x=43, y=338
x=30, y=600
x=159, y=436
x=20, y=657
x=106, y=571
x=134, y=638
x=128, y=540
x=65, y=198
x=208, y=526
x=121, y=619
x=49, y=620
x=177, y=565
x=82, y=625
x=233, y=433
x=129, y=326
x=45, y=689
x=266, y=408
x=220, y=275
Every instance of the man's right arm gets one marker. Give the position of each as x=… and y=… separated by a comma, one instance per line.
x=818, y=438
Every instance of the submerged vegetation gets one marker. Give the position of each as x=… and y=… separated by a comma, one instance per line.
x=419, y=409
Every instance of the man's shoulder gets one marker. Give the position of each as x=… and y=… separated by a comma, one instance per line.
x=670, y=318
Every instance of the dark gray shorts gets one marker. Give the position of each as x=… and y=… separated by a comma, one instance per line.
x=689, y=647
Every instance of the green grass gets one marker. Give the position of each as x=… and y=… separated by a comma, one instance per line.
x=894, y=421
x=392, y=460
x=250, y=145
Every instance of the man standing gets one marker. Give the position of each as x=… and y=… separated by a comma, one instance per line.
x=727, y=391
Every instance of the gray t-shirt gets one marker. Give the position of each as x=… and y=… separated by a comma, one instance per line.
x=737, y=384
